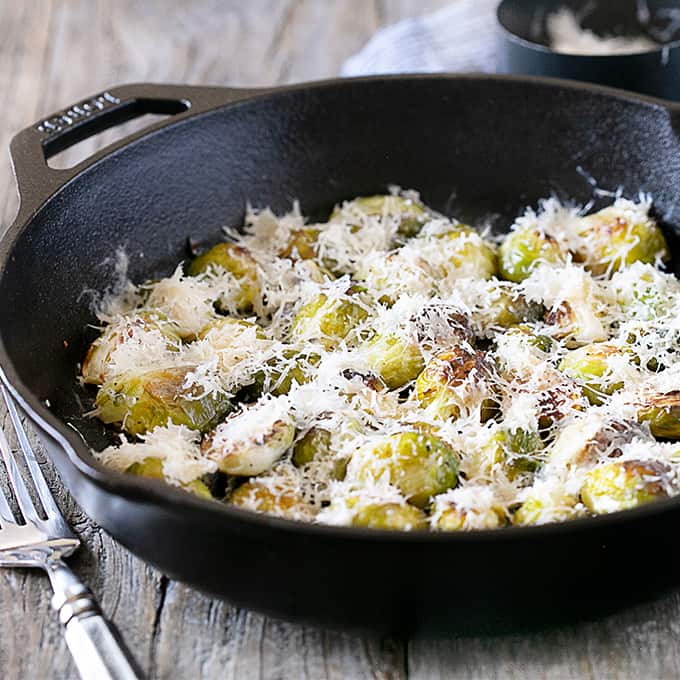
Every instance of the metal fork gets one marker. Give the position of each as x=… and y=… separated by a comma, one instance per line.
x=96, y=648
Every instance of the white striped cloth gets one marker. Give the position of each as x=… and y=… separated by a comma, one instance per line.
x=459, y=37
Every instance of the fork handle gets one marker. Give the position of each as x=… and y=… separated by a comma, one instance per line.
x=97, y=649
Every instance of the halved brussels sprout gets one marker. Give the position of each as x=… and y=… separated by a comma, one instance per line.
x=508, y=308
x=259, y=497
x=419, y=465
x=391, y=517
x=138, y=328
x=224, y=331
x=442, y=325
x=515, y=451
x=544, y=510
x=296, y=367
x=236, y=260
x=232, y=340
x=662, y=412
x=559, y=400
x=467, y=251
x=251, y=441
x=395, y=359
x=316, y=445
x=139, y=402
x=328, y=320
x=525, y=340
x=591, y=367
x=302, y=244
x=645, y=293
x=410, y=213
x=618, y=236
x=153, y=469
x=451, y=517
x=437, y=385
x=586, y=440
x=577, y=324
x=520, y=353
x=623, y=485
x=524, y=249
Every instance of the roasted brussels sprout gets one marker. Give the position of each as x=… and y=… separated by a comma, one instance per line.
x=302, y=244
x=260, y=497
x=618, y=236
x=232, y=340
x=317, y=442
x=589, y=439
x=469, y=254
x=139, y=402
x=645, y=293
x=577, y=324
x=316, y=445
x=509, y=308
x=544, y=509
x=391, y=517
x=225, y=331
x=594, y=367
x=662, y=412
x=143, y=328
x=543, y=343
x=559, y=400
x=153, y=469
x=622, y=485
x=251, y=441
x=523, y=249
x=395, y=359
x=328, y=320
x=522, y=339
x=409, y=212
x=515, y=451
x=295, y=367
x=438, y=386
x=419, y=465
x=448, y=516
x=521, y=352
x=441, y=325
x=236, y=260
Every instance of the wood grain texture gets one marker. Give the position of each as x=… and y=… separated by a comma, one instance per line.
x=55, y=52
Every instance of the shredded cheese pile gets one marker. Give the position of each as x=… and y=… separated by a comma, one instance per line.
x=432, y=342
x=567, y=36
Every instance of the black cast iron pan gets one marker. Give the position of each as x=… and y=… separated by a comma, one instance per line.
x=475, y=146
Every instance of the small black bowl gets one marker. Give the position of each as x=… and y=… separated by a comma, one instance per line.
x=523, y=44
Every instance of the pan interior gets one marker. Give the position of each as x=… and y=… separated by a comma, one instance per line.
x=478, y=148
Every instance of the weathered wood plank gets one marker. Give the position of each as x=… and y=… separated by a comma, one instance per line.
x=638, y=643
x=230, y=643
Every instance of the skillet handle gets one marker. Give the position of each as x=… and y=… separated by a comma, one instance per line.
x=31, y=148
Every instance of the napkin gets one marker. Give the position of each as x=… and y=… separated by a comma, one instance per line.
x=459, y=37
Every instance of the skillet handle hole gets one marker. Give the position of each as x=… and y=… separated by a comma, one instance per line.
x=75, y=145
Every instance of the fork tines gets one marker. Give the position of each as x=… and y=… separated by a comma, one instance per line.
x=29, y=509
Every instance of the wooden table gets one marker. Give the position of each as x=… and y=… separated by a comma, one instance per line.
x=55, y=52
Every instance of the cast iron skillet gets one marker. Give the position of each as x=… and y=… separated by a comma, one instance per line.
x=475, y=146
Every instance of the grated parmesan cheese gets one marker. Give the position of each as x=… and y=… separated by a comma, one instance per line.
x=433, y=292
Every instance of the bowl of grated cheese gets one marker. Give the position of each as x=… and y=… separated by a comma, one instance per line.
x=629, y=44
